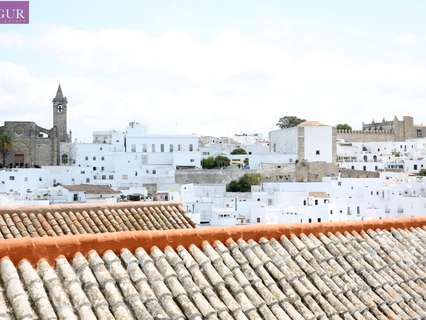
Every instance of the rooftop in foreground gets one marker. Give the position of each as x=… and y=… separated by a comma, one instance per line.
x=374, y=270
x=57, y=220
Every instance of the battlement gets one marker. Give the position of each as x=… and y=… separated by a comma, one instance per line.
x=365, y=132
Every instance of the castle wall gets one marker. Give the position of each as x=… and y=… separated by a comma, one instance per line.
x=365, y=136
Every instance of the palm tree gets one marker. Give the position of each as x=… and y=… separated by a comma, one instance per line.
x=5, y=144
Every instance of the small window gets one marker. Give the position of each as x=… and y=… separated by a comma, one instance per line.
x=191, y=147
x=133, y=147
x=304, y=202
x=317, y=152
x=162, y=147
x=310, y=220
x=102, y=158
x=258, y=219
x=87, y=180
x=94, y=158
x=86, y=158
x=11, y=178
x=111, y=177
x=64, y=159
x=94, y=168
x=179, y=147
x=144, y=148
x=103, y=177
x=316, y=202
x=319, y=219
x=153, y=147
x=154, y=171
x=40, y=179
x=171, y=148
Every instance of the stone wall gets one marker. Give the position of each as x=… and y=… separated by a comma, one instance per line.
x=301, y=172
x=315, y=171
x=38, y=145
x=349, y=173
x=278, y=173
x=209, y=176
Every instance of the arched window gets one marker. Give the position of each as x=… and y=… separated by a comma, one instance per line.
x=64, y=159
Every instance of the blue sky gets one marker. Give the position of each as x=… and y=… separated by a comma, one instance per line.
x=215, y=67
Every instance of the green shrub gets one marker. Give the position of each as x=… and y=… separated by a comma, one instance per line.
x=244, y=183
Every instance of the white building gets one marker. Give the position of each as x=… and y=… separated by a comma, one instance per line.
x=83, y=193
x=341, y=199
x=179, y=151
x=408, y=156
x=310, y=141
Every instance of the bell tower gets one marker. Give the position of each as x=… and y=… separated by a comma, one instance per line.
x=60, y=115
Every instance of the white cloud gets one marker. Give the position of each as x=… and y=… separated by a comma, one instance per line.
x=407, y=39
x=11, y=40
x=176, y=82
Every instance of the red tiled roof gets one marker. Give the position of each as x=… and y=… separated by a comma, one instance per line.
x=91, y=188
x=373, y=270
x=56, y=220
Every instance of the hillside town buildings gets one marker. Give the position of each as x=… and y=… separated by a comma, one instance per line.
x=310, y=173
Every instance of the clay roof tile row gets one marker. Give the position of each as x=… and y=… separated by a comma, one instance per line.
x=87, y=218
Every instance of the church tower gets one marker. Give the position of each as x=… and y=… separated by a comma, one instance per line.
x=60, y=115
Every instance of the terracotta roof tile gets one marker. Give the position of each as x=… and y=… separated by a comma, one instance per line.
x=91, y=188
x=265, y=272
x=91, y=218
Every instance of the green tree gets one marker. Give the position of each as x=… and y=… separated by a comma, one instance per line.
x=5, y=145
x=343, y=126
x=422, y=173
x=215, y=162
x=244, y=183
x=396, y=153
x=289, y=122
x=239, y=151
x=222, y=161
x=208, y=163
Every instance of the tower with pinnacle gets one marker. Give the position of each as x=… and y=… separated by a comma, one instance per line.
x=60, y=116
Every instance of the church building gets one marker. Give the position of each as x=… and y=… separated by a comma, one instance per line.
x=35, y=146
